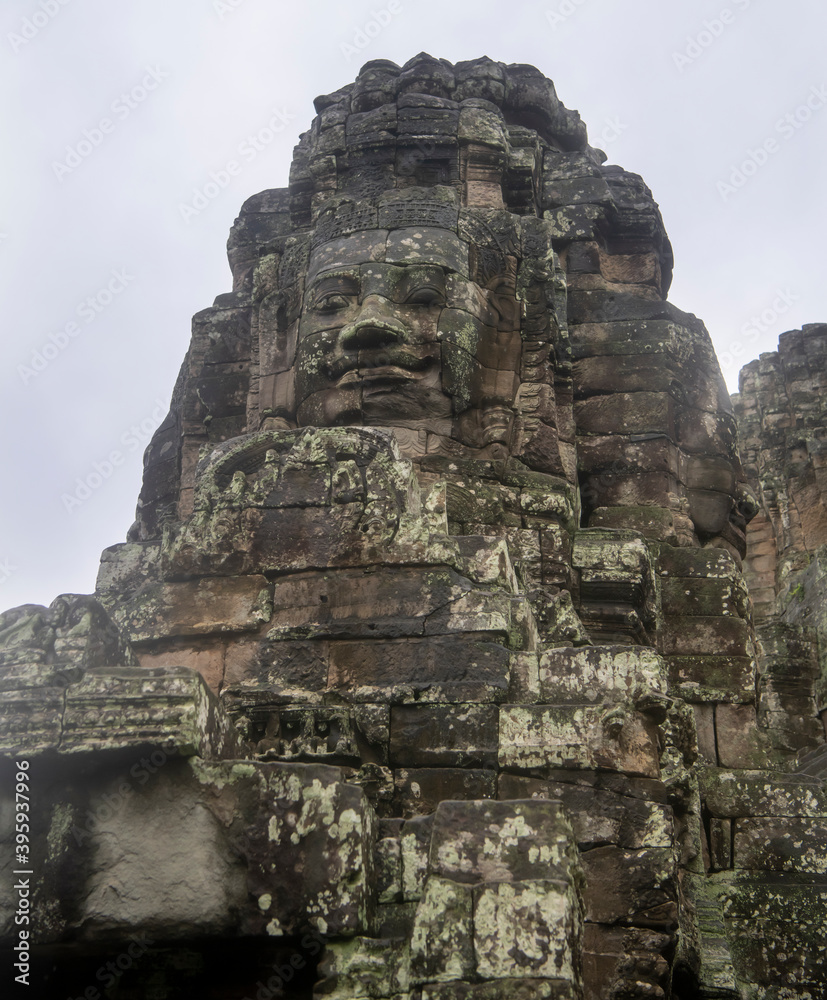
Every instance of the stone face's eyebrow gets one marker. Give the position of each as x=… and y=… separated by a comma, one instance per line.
x=421, y=276
x=344, y=282
x=397, y=282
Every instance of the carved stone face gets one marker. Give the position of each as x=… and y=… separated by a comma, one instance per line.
x=408, y=339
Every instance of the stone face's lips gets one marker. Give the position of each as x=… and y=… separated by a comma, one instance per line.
x=383, y=373
x=396, y=363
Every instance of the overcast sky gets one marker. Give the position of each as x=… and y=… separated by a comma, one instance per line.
x=115, y=116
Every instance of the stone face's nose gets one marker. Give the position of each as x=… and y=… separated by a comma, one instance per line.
x=376, y=328
x=368, y=335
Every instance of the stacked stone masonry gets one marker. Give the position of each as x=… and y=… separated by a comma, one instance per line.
x=456, y=652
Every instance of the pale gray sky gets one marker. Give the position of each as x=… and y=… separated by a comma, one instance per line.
x=116, y=115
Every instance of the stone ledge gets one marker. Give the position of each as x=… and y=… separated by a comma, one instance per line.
x=113, y=708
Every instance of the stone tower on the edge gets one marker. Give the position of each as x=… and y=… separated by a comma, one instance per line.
x=441, y=663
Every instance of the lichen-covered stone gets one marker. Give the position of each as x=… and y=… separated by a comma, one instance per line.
x=198, y=608
x=532, y=928
x=415, y=846
x=541, y=738
x=119, y=708
x=503, y=989
x=773, y=843
x=777, y=944
x=365, y=967
x=625, y=815
x=166, y=847
x=600, y=673
x=477, y=842
x=442, y=940
x=734, y=793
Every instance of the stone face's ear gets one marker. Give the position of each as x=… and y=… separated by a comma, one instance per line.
x=746, y=501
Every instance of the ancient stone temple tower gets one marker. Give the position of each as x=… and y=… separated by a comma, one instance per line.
x=441, y=662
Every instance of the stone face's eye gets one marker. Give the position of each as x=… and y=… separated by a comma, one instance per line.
x=426, y=295
x=333, y=293
x=331, y=302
